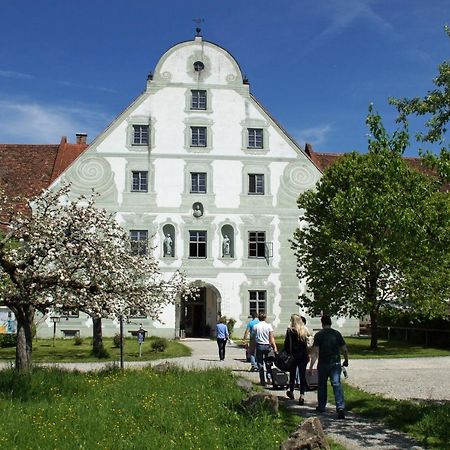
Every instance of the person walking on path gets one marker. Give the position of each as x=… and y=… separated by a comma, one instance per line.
x=251, y=344
x=264, y=341
x=222, y=336
x=296, y=343
x=328, y=344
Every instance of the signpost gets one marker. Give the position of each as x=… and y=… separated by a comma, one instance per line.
x=141, y=338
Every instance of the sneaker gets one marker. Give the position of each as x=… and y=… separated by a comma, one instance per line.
x=341, y=413
x=262, y=383
x=290, y=395
x=254, y=369
x=301, y=401
x=320, y=410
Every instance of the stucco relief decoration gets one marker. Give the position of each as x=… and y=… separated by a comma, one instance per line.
x=92, y=173
x=296, y=179
x=231, y=78
x=166, y=76
x=197, y=210
x=198, y=55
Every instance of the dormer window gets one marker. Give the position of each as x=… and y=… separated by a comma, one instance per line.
x=198, y=99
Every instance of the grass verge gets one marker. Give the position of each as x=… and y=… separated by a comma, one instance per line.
x=65, y=350
x=428, y=422
x=359, y=349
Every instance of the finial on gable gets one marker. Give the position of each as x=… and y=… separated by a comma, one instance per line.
x=198, y=30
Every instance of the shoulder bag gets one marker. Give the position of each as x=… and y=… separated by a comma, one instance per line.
x=284, y=360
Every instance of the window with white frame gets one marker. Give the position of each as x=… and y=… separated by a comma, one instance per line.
x=139, y=242
x=198, y=99
x=197, y=244
x=256, y=244
x=198, y=182
x=256, y=183
x=257, y=302
x=255, y=138
x=198, y=136
x=140, y=134
x=139, y=181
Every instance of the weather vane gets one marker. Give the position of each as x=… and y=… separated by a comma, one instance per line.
x=198, y=22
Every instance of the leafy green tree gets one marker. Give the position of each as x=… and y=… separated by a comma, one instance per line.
x=374, y=235
x=436, y=106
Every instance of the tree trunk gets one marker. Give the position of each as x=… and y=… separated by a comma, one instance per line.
x=24, y=348
x=372, y=288
x=374, y=330
x=97, y=337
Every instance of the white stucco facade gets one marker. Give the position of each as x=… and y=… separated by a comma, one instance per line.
x=230, y=165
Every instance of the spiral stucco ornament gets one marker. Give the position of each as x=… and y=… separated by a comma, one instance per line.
x=297, y=178
x=231, y=78
x=92, y=173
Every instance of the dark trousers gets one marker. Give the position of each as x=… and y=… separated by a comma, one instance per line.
x=221, y=343
x=300, y=364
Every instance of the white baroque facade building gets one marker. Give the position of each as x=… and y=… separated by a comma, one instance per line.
x=199, y=168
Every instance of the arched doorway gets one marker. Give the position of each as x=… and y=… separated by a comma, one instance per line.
x=198, y=314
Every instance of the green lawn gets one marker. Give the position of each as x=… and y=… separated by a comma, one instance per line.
x=426, y=421
x=359, y=349
x=65, y=350
x=142, y=409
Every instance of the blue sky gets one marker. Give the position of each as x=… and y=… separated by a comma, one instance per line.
x=68, y=67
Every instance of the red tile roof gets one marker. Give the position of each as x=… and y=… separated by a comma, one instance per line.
x=27, y=169
x=325, y=160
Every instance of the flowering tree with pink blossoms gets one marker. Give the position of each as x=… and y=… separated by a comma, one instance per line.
x=70, y=255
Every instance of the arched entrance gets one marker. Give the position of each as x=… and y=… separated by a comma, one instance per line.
x=198, y=314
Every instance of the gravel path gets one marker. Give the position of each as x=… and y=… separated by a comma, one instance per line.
x=415, y=378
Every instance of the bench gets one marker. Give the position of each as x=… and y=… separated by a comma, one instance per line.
x=70, y=333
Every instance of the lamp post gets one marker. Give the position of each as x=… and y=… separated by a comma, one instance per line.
x=55, y=320
x=121, y=341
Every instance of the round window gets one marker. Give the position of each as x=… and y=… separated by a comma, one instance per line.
x=198, y=66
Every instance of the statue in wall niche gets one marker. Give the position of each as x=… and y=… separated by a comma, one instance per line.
x=226, y=246
x=168, y=245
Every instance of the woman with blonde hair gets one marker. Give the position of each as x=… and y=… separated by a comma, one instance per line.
x=296, y=343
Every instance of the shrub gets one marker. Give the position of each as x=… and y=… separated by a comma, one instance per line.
x=101, y=353
x=116, y=340
x=230, y=326
x=159, y=344
x=8, y=340
x=77, y=340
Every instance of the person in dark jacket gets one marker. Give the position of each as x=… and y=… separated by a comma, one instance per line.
x=328, y=346
x=296, y=343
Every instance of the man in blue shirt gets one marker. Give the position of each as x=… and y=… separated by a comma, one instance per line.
x=251, y=344
x=222, y=336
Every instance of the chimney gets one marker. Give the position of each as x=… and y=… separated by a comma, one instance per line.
x=81, y=138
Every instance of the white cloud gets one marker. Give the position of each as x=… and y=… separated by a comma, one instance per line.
x=314, y=135
x=87, y=86
x=17, y=75
x=341, y=14
x=27, y=122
